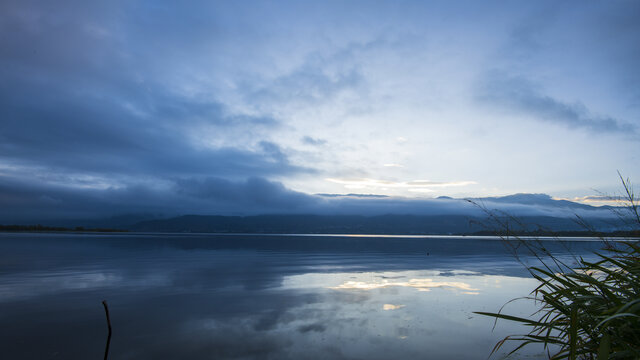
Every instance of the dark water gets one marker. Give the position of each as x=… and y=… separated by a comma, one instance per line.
x=259, y=297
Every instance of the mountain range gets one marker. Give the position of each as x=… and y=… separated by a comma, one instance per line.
x=444, y=215
x=525, y=212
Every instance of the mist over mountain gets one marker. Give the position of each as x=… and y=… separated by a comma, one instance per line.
x=536, y=212
x=354, y=224
x=539, y=199
x=279, y=210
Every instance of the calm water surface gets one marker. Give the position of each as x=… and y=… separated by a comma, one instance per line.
x=259, y=297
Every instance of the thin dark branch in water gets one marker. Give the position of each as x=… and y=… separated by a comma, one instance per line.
x=106, y=310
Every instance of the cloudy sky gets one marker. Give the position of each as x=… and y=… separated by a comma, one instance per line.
x=245, y=107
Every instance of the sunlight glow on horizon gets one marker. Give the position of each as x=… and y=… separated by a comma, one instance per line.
x=383, y=186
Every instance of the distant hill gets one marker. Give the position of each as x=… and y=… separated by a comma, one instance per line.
x=443, y=215
x=540, y=200
x=383, y=224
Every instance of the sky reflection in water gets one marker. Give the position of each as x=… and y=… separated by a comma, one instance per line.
x=252, y=297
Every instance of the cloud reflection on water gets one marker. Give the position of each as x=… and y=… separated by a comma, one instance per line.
x=266, y=298
x=392, y=307
x=420, y=284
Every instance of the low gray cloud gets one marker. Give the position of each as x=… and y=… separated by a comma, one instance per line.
x=521, y=95
x=26, y=200
x=252, y=192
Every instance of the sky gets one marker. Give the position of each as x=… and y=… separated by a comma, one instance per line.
x=211, y=107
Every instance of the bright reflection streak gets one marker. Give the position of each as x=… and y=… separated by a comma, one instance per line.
x=392, y=307
x=420, y=284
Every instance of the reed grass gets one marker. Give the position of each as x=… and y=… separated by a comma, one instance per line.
x=589, y=309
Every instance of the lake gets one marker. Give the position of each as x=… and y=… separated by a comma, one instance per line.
x=204, y=296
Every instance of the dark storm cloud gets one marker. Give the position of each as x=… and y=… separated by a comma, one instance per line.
x=85, y=134
x=135, y=131
x=521, y=95
x=78, y=96
x=88, y=135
